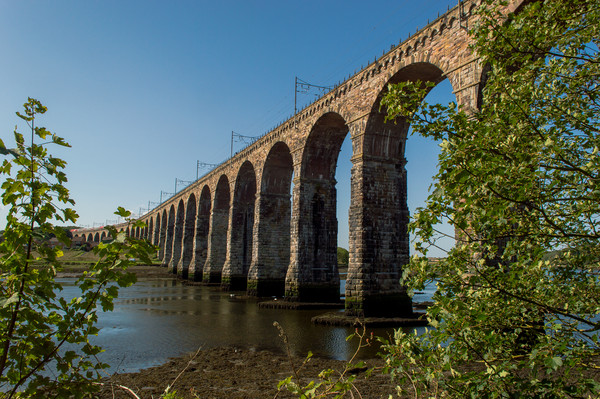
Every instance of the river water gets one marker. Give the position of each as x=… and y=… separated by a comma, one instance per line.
x=156, y=319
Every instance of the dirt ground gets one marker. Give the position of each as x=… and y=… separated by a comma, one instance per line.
x=233, y=373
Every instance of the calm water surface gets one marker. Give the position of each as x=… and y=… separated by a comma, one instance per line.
x=157, y=319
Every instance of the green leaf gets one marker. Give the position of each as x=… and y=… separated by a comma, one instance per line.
x=5, y=302
x=122, y=212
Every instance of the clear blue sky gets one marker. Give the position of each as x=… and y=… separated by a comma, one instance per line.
x=144, y=89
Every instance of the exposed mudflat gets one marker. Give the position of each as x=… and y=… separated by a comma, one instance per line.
x=233, y=373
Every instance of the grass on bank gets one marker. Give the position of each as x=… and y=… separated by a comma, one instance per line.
x=79, y=260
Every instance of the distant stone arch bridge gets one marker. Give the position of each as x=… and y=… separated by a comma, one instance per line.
x=239, y=227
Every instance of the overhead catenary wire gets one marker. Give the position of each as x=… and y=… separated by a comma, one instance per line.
x=281, y=110
x=362, y=49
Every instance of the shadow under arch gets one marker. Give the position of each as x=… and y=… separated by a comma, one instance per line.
x=313, y=275
x=201, y=237
x=169, y=232
x=162, y=239
x=156, y=233
x=177, y=237
x=150, y=230
x=241, y=229
x=271, y=253
x=189, y=225
x=217, y=240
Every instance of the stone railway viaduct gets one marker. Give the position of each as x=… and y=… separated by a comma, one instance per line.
x=238, y=226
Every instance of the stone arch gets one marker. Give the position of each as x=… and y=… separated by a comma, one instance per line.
x=379, y=240
x=97, y=237
x=322, y=147
x=127, y=232
x=386, y=140
x=163, y=235
x=201, y=237
x=137, y=232
x=217, y=242
x=178, y=237
x=451, y=22
x=188, y=237
x=271, y=252
x=150, y=230
x=313, y=273
x=241, y=229
x=156, y=233
x=90, y=237
x=103, y=236
x=442, y=27
x=169, y=233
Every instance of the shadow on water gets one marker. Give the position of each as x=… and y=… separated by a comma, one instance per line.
x=157, y=319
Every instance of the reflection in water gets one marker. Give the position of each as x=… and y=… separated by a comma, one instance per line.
x=157, y=319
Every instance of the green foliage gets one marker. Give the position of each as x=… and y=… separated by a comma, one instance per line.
x=519, y=180
x=170, y=395
x=343, y=257
x=331, y=383
x=44, y=338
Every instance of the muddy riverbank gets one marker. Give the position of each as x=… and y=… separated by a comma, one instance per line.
x=235, y=373
x=227, y=371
